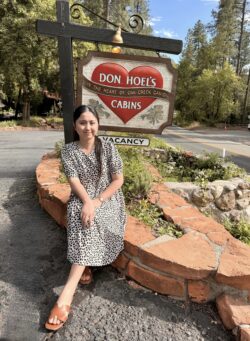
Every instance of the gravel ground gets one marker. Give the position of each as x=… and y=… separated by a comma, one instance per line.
x=33, y=268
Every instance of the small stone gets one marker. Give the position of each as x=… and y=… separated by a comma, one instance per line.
x=243, y=185
x=246, y=194
x=242, y=203
x=238, y=194
x=226, y=201
x=234, y=215
x=216, y=191
x=229, y=187
x=202, y=197
x=246, y=214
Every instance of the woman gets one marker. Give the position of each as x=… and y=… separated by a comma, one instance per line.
x=95, y=212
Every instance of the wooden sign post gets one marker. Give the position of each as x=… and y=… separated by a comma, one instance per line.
x=66, y=31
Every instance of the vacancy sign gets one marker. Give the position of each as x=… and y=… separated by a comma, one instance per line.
x=123, y=140
x=130, y=93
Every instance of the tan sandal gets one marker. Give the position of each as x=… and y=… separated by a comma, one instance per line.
x=61, y=313
x=87, y=272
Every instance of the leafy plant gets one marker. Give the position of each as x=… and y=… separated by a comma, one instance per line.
x=152, y=216
x=137, y=179
x=54, y=119
x=240, y=230
x=10, y=123
x=58, y=147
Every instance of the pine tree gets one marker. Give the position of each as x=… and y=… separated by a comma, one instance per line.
x=243, y=41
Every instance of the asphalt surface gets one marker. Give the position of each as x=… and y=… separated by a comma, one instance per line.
x=33, y=268
x=235, y=143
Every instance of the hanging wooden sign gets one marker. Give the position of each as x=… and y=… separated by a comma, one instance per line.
x=130, y=93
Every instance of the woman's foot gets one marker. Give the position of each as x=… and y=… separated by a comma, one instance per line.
x=86, y=276
x=58, y=316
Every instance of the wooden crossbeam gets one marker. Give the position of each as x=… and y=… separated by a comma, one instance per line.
x=104, y=36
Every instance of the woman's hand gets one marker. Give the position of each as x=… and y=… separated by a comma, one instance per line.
x=97, y=203
x=88, y=213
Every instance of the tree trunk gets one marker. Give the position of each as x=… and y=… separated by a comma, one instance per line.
x=18, y=105
x=244, y=118
x=26, y=108
x=238, y=69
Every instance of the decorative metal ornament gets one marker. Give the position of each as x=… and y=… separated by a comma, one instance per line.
x=75, y=11
x=135, y=21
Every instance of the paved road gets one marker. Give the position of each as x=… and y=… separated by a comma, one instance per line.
x=235, y=142
x=33, y=267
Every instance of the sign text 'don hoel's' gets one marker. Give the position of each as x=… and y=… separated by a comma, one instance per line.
x=130, y=93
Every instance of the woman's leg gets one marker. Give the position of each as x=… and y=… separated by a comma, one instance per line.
x=86, y=277
x=69, y=289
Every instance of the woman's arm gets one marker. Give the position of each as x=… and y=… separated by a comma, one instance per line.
x=116, y=183
x=89, y=205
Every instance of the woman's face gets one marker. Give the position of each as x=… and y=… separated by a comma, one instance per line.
x=86, y=126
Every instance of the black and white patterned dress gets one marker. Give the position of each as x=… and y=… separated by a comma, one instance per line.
x=101, y=243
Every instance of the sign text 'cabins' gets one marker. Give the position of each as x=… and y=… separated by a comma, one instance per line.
x=130, y=93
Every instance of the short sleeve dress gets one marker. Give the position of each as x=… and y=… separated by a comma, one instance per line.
x=101, y=243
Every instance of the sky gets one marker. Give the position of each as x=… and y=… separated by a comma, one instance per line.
x=173, y=18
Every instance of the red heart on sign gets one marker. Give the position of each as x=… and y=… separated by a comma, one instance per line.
x=116, y=76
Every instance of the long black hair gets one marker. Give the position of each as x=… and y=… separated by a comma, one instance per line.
x=98, y=143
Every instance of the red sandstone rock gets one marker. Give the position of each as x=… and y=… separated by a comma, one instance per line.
x=136, y=233
x=198, y=291
x=234, y=267
x=202, y=224
x=154, y=281
x=154, y=171
x=121, y=262
x=219, y=238
x=245, y=333
x=233, y=311
x=190, y=256
x=180, y=213
x=60, y=193
x=55, y=210
x=162, y=197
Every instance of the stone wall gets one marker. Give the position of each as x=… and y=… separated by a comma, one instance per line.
x=221, y=198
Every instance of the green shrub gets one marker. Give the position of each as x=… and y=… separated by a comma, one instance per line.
x=137, y=179
x=201, y=170
x=54, y=119
x=152, y=216
x=10, y=123
x=240, y=230
x=58, y=148
x=35, y=121
x=62, y=178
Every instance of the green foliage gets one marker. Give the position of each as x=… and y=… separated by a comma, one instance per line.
x=62, y=179
x=58, y=147
x=159, y=143
x=209, y=167
x=214, y=97
x=240, y=230
x=152, y=216
x=35, y=121
x=54, y=119
x=208, y=89
x=137, y=179
x=6, y=124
